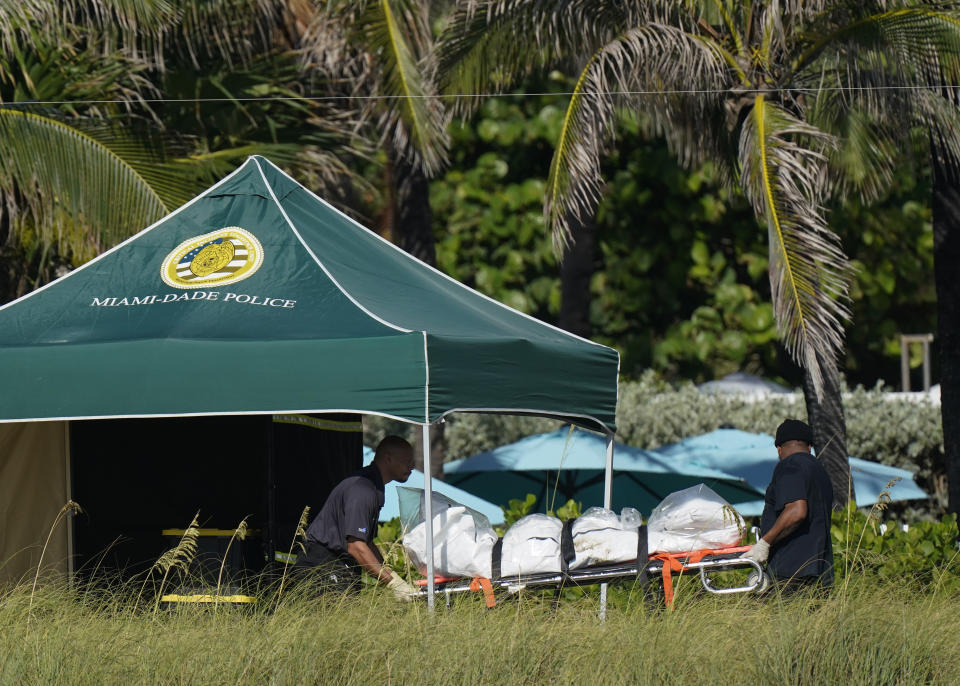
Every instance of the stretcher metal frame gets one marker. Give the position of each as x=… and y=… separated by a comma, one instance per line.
x=702, y=562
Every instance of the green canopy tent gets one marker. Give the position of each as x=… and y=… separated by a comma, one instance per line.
x=258, y=297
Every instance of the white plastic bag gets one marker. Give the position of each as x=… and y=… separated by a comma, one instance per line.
x=461, y=546
x=531, y=546
x=602, y=537
x=693, y=519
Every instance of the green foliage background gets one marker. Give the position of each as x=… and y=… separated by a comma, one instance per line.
x=922, y=556
x=680, y=282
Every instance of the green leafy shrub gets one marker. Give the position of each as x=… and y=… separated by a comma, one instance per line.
x=924, y=555
x=569, y=510
x=517, y=509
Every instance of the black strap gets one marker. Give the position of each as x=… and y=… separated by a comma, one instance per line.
x=496, y=556
x=567, y=552
x=643, y=554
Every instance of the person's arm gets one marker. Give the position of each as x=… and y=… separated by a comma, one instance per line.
x=369, y=558
x=359, y=513
x=792, y=516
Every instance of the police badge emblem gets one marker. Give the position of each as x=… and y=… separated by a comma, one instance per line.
x=214, y=259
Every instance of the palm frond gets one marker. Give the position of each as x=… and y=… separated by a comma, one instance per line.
x=129, y=18
x=687, y=81
x=876, y=70
x=382, y=48
x=773, y=34
x=232, y=30
x=489, y=45
x=573, y=184
x=868, y=148
x=335, y=65
x=203, y=168
x=54, y=69
x=917, y=45
x=398, y=34
x=20, y=19
x=126, y=25
x=782, y=172
x=94, y=184
x=649, y=57
x=940, y=116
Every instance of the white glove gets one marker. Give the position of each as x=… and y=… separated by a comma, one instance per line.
x=759, y=552
x=401, y=589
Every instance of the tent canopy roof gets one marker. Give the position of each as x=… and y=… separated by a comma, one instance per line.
x=257, y=297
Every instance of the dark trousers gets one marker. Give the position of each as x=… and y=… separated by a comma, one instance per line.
x=326, y=570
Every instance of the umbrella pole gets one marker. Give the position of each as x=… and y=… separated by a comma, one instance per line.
x=428, y=510
x=607, y=503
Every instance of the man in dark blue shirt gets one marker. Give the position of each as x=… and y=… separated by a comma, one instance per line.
x=340, y=537
x=795, y=524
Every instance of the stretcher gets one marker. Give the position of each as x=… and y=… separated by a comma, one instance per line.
x=664, y=565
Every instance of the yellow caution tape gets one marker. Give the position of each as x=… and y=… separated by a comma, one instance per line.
x=207, y=598
x=315, y=423
x=226, y=533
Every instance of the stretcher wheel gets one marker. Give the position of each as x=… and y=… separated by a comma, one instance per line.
x=764, y=583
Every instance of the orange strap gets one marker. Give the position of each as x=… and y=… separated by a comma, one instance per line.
x=478, y=583
x=482, y=583
x=672, y=563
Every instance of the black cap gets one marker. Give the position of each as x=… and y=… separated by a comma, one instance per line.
x=793, y=430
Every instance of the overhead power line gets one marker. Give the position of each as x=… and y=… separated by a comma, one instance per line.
x=455, y=96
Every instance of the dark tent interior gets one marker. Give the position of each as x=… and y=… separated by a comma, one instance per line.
x=141, y=481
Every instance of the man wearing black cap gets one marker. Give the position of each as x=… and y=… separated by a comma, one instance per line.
x=795, y=525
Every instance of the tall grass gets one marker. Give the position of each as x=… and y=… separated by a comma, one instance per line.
x=864, y=634
x=867, y=631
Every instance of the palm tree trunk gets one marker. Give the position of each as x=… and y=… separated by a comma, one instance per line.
x=829, y=426
x=946, y=257
x=576, y=272
x=413, y=230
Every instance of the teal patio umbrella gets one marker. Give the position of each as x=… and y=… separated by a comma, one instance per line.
x=391, y=506
x=753, y=457
x=569, y=464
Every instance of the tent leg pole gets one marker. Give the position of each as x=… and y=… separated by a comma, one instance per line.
x=271, y=537
x=608, y=475
x=428, y=511
x=607, y=503
x=68, y=468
